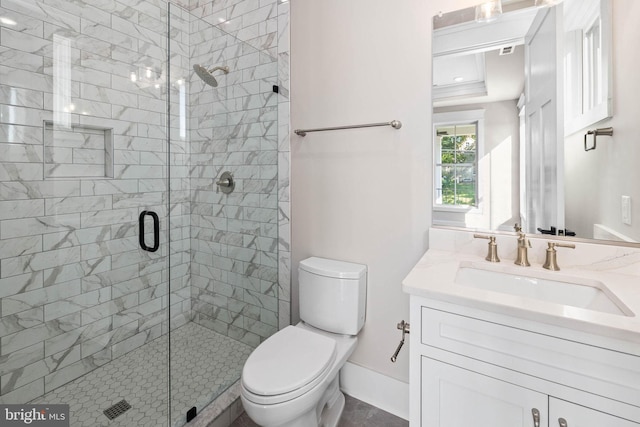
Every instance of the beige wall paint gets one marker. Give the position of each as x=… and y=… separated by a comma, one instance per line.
x=364, y=195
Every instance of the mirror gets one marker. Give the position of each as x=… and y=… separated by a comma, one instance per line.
x=519, y=99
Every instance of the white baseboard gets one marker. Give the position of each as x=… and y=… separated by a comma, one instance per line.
x=381, y=391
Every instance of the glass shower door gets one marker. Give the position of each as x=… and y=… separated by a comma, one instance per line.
x=84, y=206
x=223, y=119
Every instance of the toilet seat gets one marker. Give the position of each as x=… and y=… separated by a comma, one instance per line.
x=287, y=365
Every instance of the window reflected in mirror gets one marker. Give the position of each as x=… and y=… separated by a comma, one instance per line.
x=456, y=164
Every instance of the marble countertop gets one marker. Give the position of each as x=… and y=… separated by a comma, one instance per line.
x=434, y=277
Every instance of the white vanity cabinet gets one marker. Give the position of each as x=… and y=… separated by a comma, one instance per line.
x=471, y=367
x=453, y=396
x=567, y=414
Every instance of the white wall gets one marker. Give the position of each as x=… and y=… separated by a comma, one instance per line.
x=364, y=195
x=596, y=180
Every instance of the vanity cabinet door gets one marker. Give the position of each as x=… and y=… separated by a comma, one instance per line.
x=566, y=414
x=456, y=397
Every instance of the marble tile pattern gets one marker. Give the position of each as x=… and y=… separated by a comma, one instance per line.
x=234, y=237
x=284, y=135
x=265, y=26
x=205, y=365
x=252, y=21
x=76, y=291
x=77, y=152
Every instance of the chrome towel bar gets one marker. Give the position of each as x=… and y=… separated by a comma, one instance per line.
x=396, y=124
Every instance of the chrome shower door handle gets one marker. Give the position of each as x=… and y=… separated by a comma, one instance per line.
x=536, y=417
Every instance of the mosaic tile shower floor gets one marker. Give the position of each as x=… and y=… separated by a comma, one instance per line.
x=203, y=364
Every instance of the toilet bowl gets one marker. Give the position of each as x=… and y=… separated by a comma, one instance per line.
x=292, y=379
x=287, y=390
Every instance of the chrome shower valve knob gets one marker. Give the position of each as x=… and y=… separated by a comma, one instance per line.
x=225, y=183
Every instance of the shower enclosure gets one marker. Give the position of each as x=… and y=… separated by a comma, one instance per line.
x=131, y=287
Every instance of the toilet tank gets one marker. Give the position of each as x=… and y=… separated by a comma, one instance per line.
x=332, y=294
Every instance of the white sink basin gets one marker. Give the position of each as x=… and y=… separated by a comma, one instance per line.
x=575, y=292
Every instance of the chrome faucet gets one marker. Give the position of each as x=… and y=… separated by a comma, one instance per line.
x=492, y=254
x=551, y=262
x=523, y=247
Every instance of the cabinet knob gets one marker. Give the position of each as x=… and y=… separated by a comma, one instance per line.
x=536, y=417
x=562, y=422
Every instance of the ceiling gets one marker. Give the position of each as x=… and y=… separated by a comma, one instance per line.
x=501, y=78
x=467, y=65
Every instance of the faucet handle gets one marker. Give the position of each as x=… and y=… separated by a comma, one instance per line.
x=522, y=237
x=484, y=236
x=492, y=254
x=517, y=227
x=551, y=262
x=561, y=245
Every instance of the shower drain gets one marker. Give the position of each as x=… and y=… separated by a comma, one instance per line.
x=117, y=409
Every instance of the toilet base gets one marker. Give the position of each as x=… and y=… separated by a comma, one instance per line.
x=332, y=410
x=325, y=414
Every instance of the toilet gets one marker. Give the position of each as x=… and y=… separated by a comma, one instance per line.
x=292, y=378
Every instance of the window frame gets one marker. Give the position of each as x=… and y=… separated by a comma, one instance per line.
x=581, y=85
x=455, y=118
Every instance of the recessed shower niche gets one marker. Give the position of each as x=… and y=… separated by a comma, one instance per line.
x=77, y=151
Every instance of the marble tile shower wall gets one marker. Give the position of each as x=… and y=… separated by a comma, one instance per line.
x=76, y=291
x=179, y=204
x=243, y=308
x=234, y=236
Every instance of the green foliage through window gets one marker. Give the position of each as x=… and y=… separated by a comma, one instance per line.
x=456, y=170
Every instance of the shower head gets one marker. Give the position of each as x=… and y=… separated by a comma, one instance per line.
x=206, y=75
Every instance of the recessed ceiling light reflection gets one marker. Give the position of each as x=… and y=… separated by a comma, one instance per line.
x=489, y=11
x=546, y=3
x=7, y=21
x=134, y=77
x=458, y=79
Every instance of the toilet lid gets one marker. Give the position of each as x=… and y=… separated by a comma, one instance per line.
x=286, y=361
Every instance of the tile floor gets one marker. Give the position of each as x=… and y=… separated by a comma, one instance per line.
x=203, y=364
x=356, y=414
